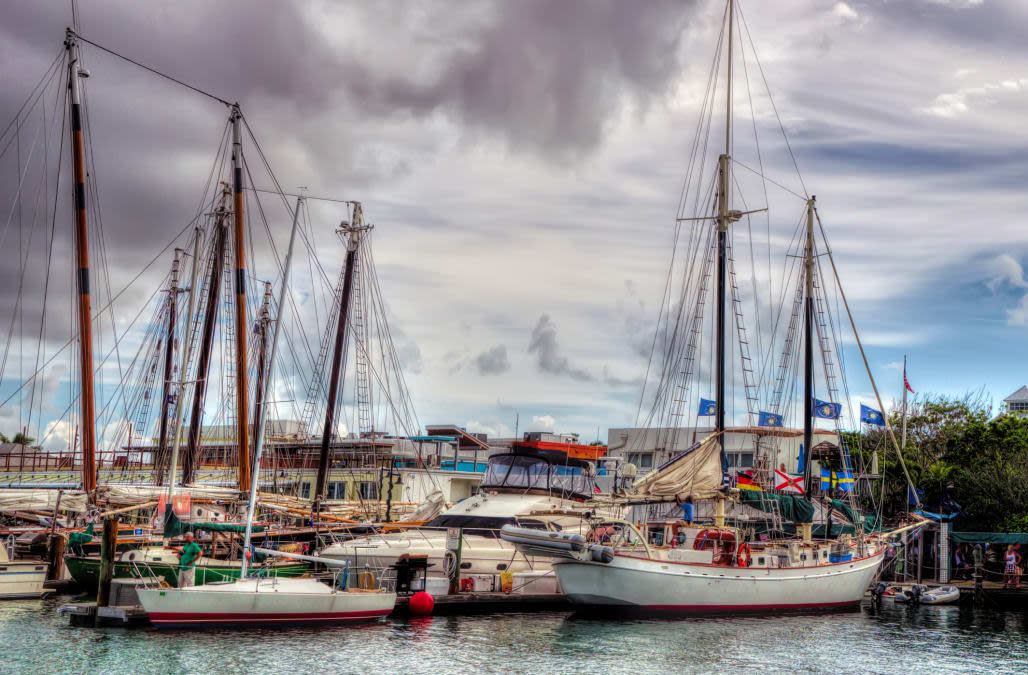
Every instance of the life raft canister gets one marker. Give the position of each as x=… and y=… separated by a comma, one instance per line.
x=743, y=556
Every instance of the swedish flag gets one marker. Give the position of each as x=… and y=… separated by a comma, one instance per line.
x=836, y=480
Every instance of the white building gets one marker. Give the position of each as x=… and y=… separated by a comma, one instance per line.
x=1017, y=403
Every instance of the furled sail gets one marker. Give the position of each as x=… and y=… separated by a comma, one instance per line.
x=695, y=473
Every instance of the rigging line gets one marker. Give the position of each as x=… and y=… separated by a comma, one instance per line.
x=152, y=70
x=16, y=201
x=770, y=98
x=44, y=82
x=96, y=315
x=305, y=196
x=773, y=182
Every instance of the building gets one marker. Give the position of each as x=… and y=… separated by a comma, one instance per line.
x=1017, y=403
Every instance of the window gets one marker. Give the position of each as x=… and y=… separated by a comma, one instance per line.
x=740, y=460
x=760, y=561
x=368, y=489
x=305, y=490
x=336, y=490
x=1018, y=406
x=643, y=460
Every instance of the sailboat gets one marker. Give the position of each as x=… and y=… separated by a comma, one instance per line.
x=256, y=601
x=717, y=566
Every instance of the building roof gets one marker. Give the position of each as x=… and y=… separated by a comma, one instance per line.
x=1019, y=395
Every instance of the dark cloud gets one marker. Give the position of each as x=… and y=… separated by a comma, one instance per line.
x=493, y=361
x=549, y=358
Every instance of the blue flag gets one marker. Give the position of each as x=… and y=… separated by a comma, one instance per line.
x=707, y=408
x=837, y=480
x=826, y=410
x=769, y=420
x=871, y=416
x=911, y=500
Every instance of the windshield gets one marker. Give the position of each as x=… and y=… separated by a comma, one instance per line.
x=526, y=472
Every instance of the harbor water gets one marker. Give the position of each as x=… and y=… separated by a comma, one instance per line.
x=896, y=639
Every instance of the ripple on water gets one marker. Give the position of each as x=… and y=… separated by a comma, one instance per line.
x=898, y=639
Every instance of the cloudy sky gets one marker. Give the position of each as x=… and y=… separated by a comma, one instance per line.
x=523, y=161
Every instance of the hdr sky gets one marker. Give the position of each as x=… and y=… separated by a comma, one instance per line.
x=522, y=163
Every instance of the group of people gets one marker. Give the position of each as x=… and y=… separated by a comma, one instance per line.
x=986, y=557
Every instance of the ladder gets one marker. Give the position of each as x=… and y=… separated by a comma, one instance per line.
x=749, y=386
x=316, y=387
x=228, y=340
x=695, y=333
x=825, y=340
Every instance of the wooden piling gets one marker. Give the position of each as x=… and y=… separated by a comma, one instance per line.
x=55, y=548
x=108, y=546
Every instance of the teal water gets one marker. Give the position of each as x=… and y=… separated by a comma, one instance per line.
x=898, y=639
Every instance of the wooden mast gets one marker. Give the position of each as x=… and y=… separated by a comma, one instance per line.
x=85, y=323
x=169, y=360
x=242, y=418
x=724, y=218
x=808, y=348
x=206, y=340
x=354, y=229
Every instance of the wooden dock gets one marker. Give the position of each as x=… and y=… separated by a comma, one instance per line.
x=88, y=614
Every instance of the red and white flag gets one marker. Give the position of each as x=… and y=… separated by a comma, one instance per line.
x=905, y=382
x=788, y=483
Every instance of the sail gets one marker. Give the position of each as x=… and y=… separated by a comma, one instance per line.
x=173, y=527
x=695, y=473
x=40, y=499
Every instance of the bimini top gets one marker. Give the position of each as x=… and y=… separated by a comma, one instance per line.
x=540, y=470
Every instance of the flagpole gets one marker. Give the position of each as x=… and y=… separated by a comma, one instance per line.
x=903, y=433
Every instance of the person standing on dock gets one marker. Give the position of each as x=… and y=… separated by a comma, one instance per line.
x=1012, y=571
x=188, y=554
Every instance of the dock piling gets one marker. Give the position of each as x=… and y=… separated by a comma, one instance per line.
x=108, y=546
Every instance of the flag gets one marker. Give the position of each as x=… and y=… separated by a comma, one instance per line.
x=826, y=410
x=744, y=482
x=767, y=419
x=707, y=408
x=836, y=480
x=871, y=416
x=906, y=383
x=788, y=483
x=911, y=500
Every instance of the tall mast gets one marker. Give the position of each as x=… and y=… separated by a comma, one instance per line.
x=263, y=319
x=169, y=358
x=85, y=324
x=242, y=420
x=354, y=229
x=206, y=339
x=180, y=390
x=724, y=218
x=808, y=347
x=262, y=416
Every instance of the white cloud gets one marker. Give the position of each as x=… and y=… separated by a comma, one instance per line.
x=1018, y=316
x=844, y=11
x=1004, y=269
x=545, y=422
x=958, y=102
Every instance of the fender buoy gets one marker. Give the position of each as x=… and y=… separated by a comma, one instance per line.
x=743, y=556
x=421, y=604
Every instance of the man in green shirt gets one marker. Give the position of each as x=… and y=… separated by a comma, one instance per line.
x=187, y=557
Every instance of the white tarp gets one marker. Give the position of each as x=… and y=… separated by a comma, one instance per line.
x=428, y=509
x=696, y=473
x=40, y=499
x=138, y=494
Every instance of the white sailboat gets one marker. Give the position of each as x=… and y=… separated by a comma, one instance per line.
x=263, y=601
x=717, y=567
x=20, y=578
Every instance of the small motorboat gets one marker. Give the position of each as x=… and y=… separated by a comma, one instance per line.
x=943, y=595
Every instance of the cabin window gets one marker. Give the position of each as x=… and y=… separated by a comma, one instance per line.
x=368, y=489
x=501, y=567
x=803, y=556
x=465, y=566
x=760, y=561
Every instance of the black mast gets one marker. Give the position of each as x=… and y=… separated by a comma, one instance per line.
x=808, y=348
x=169, y=359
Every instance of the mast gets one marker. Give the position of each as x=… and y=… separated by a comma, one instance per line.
x=903, y=433
x=354, y=230
x=263, y=390
x=263, y=319
x=242, y=421
x=169, y=357
x=85, y=324
x=808, y=347
x=206, y=340
x=186, y=354
x=724, y=218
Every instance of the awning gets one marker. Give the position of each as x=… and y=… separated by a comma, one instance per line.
x=989, y=537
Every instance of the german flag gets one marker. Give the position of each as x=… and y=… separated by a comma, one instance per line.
x=744, y=482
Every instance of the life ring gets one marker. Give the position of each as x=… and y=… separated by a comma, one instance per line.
x=366, y=580
x=743, y=556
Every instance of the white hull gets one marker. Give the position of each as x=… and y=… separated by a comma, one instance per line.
x=22, y=579
x=262, y=602
x=661, y=586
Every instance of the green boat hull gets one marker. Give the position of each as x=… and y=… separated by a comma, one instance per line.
x=86, y=571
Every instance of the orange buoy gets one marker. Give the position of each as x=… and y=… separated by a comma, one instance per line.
x=421, y=604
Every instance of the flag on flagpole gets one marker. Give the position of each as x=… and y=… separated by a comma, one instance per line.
x=744, y=482
x=788, y=483
x=869, y=415
x=906, y=383
x=707, y=408
x=767, y=419
x=826, y=410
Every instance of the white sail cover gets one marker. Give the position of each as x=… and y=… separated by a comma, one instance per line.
x=695, y=473
x=138, y=494
x=40, y=499
x=428, y=509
